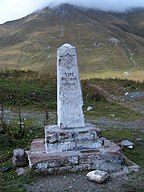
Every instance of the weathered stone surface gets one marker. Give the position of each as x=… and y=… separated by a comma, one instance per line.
x=120, y=173
x=140, y=139
x=66, y=169
x=20, y=171
x=69, y=94
x=132, y=167
x=57, y=140
x=19, y=158
x=134, y=95
x=107, y=159
x=127, y=144
x=37, y=146
x=97, y=176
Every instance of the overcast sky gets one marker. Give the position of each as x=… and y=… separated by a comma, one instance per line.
x=14, y=9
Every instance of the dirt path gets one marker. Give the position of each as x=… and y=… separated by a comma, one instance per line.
x=117, y=124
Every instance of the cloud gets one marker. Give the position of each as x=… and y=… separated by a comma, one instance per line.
x=115, y=5
x=14, y=9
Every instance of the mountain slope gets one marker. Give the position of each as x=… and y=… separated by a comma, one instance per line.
x=108, y=44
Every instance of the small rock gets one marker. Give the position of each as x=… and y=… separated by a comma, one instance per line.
x=20, y=171
x=112, y=115
x=134, y=168
x=121, y=173
x=97, y=176
x=19, y=158
x=126, y=73
x=52, y=138
x=5, y=169
x=73, y=180
x=89, y=108
x=126, y=93
x=127, y=144
x=140, y=139
x=114, y=40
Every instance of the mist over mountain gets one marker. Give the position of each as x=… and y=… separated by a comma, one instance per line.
x=15, y=9
x=105, y=5
x=108, y=43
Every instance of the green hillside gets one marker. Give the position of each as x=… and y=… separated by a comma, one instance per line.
x=108, y=44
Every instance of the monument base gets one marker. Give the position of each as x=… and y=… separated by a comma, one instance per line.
x=71, y=139
x=79, y=149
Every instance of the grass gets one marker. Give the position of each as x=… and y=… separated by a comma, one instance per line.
x=117, y=136
x=106, y=74
x=20, y=92
x=10, y=141
x=96, y=92
x=111, y=110
x=112, y=87
x=135, y=183
x=10, y=182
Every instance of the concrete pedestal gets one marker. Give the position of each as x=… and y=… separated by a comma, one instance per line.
x=59, y=140
x=74, y=150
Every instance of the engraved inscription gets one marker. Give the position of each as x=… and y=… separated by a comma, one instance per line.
x=69, y=74
x=66, y=62
x=69, y=80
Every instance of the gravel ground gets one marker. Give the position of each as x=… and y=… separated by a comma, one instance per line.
x=77, y=182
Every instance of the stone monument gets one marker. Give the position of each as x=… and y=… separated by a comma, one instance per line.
x=69, y=94
x=72, y=145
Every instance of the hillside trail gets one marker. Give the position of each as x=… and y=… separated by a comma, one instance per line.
x=136, y=104
x=130, y=54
